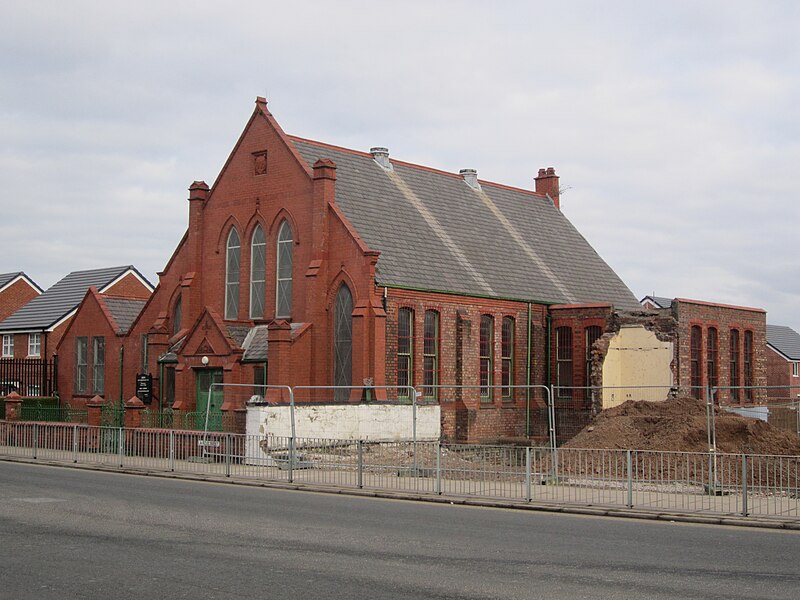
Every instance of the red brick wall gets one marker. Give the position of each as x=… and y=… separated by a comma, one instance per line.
x=464, y=415
x=779, y=373
x=15, y=296
x=89, y=321
x=724, y=318
x=129, y=286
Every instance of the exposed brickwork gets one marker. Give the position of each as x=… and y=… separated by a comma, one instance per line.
x=15, y=296
x=780, y=373
x=724, y=318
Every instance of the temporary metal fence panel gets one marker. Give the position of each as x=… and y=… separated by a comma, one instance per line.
x=714, y=483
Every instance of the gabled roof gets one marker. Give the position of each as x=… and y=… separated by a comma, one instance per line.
x=123, y=310
x=785, y=340
x=437, y=233
x=7, y=279
x=61, y=299
x=659, y=301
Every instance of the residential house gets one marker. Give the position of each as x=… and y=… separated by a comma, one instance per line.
x=783, y=363
x=31, y=334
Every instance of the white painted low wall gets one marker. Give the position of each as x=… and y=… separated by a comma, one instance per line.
x=368, y=422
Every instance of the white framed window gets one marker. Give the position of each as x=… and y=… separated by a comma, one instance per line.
x=258, y=273
x=232, y=262
x=796, y=369
x=34, y=344
x=283, y=288
x=8, y=345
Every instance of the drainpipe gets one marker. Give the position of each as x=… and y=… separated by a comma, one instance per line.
x=121, y=361
x=549, y=332
x=528, y=380
x=160, y=388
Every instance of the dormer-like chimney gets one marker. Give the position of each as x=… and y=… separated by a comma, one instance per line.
x=547, y=183
x=471, y=178
x=381, y=156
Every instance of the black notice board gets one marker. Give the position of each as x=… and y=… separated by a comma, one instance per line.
x=144, y=387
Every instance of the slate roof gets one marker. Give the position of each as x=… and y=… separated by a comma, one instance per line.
x=6, y=278
x=437, y=233
x=61, y=298
x=255, y=345
x=124, y=310
x=785, y=340
x=661, y=301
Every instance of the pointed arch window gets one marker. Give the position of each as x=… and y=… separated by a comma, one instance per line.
x=258, y=272
x=283, y=289
x=232, y=269
x=177, y=315
x=343, y=342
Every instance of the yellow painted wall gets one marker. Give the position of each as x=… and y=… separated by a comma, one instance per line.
x=635, y=358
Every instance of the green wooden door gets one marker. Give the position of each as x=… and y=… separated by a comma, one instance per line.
x=204, y=379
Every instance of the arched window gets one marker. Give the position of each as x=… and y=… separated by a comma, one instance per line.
x=405, y=351
x=695, y=351
x=430, y=355
x=232, y=262
x=748, y=365
x=258, y=272
x=735, y=378
x=486, y=349
x=507, y=358
x=177, y=315
x=711, y=357
x=283, y=290
x=343, y=342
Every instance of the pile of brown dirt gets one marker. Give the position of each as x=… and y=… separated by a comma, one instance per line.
x=681, y=425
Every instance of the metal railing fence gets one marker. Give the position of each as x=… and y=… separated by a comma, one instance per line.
x=713, y=483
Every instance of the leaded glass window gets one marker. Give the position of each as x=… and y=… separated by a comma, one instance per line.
x=258, y=272
x=233, y=262
x=405, y=350
x=177, y=315
x=283, y=291
x=343, y=342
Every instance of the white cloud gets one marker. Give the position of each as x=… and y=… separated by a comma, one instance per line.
x=674, y=125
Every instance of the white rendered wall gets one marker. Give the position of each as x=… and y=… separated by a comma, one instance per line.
x=368, y=422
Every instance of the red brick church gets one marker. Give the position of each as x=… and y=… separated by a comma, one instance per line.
x=311, y=264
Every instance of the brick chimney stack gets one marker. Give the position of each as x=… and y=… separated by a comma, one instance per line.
x=547, y=183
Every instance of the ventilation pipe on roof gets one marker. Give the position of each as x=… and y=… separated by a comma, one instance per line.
x=381, y=156
x=471, y=178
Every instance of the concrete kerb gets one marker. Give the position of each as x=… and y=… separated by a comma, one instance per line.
x=596, y=511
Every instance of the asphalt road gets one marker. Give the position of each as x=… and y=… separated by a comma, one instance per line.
x=68, y=533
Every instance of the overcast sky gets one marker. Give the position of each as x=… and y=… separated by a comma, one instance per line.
x=675, y=126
